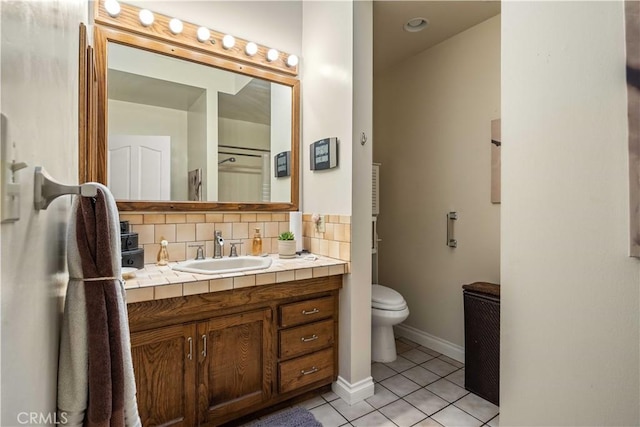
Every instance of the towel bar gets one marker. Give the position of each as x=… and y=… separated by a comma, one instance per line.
x=45, y=189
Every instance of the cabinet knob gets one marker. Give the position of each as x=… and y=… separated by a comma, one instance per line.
x=314, y=311
x=190, y=355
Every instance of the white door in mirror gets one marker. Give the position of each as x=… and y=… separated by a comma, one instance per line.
x=140, y=167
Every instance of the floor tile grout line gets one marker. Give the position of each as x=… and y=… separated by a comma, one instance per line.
x=396, y=372
x=411, y=404
x=466, y=412
x=434, y=373
x=406, y=379
x=444, y=361
x=471, y=415
x=387, y=418
x=374, y=410
x=435, y=394
x=439, y=410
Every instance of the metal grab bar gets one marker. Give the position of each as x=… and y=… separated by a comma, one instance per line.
x=451, y=240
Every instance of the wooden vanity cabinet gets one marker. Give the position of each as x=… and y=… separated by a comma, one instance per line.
x=165, y=375
x=235, y=368
x=209, y=359
x=221, y=365
x=306, y=352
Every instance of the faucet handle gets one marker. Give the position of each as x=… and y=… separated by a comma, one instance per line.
x=233, y=252
x=199, y=252
x=218, y=237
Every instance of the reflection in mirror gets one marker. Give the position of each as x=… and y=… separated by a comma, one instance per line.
x=182, y=131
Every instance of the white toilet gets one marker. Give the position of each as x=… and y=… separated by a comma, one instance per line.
x=388, y=308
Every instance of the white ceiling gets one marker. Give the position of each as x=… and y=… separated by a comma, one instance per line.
x=391, y=44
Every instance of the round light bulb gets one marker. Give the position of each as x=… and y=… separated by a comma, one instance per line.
x=112, y=7
x=292, y=61
x=228, y=41
x=272, y=55
x=146, y=17
x=203, y=34
x=251, y=48
x=175, y=25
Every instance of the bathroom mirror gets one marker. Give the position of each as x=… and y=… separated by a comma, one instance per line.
x=179, y=129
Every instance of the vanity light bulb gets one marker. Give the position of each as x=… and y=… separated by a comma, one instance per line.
x=175, y=25
x=203, y=34
x=292, y=61
x=272, y=55
x=251, y=49
x=146, y=17
x=112, y=7
x=228, y=41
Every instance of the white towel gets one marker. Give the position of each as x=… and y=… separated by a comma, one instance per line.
x=73, y=360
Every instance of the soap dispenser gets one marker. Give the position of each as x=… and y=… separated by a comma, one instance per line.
x=256, y=247
x=163, y=254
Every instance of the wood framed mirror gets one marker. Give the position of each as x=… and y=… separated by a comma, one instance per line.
x=186, y=125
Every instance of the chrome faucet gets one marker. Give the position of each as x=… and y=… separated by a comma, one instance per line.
x=218, y=244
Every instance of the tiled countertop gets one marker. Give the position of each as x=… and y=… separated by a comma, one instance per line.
x=154, y=282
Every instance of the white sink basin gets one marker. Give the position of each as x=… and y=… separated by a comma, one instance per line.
x=224, y=265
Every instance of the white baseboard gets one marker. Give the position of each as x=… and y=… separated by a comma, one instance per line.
x=447, y=348
x=353, y=393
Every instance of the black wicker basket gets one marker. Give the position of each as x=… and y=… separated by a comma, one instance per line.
x=482, y=340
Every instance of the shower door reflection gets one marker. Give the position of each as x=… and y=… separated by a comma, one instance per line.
x=243, y=174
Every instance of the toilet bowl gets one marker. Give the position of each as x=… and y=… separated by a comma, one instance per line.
x=388, y=308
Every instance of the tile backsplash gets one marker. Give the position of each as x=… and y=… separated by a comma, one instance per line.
x=334, y=242
x=185, y=231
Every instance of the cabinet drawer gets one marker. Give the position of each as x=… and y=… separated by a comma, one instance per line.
x=305, y=370
x=306, y=338
x=306, y=311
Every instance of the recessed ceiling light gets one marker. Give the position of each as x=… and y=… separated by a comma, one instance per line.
x=414, y=25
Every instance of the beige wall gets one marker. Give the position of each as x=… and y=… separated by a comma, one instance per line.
x=243, y=134
x=432, y=123
x=570, y=333
x=39, y=100
x=327, y=97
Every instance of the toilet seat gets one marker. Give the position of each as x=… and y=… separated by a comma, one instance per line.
x=384, y=298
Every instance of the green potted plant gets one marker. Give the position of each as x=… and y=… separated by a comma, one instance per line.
x=286, y=245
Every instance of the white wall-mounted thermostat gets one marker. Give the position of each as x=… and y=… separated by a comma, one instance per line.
x=324, y=154
x=282, y=164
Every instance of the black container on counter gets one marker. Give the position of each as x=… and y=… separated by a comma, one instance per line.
x=129, y=241
x=132, y=255
x=133, y=258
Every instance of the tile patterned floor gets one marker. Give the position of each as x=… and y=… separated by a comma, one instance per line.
x=421, y=388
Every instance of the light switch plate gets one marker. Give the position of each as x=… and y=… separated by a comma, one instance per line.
x=9, y=191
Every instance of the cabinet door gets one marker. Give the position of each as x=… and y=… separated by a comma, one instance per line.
x=235, y=356
x=164, y=363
